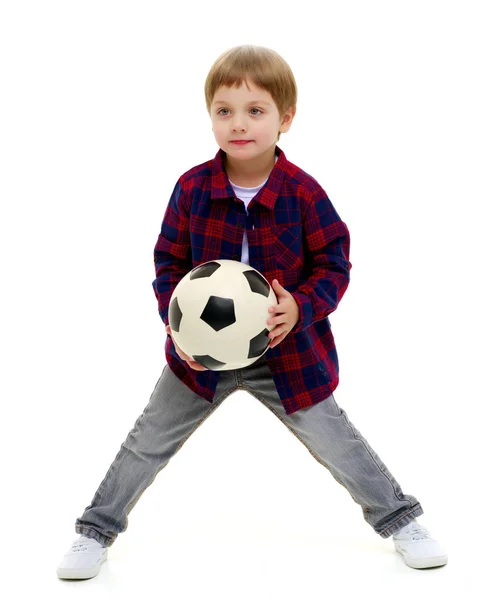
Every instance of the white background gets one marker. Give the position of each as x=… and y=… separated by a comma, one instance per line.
x=102, y=109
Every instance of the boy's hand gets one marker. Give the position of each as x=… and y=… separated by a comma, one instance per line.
x=192, y=363
x=285, y=315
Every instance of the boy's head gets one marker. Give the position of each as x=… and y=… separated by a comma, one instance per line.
x=250, y=94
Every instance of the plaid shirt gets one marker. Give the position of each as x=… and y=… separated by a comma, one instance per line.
x=294, y=235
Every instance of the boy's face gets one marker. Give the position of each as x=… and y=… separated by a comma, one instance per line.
x=247, y=114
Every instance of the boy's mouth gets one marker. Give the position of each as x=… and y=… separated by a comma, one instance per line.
x=241, y=141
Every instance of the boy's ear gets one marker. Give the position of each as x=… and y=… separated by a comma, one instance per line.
x=288, y=117
x=290, y=113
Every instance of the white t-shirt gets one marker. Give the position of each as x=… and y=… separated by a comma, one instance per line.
x=247, y=194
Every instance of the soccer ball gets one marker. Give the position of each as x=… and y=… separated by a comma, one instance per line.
x=218, y=313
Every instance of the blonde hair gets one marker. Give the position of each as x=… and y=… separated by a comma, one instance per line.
x=263, y=66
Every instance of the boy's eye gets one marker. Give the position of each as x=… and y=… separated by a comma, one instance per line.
x=259, y=111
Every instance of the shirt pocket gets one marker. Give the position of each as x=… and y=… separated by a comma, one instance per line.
x=288, y=246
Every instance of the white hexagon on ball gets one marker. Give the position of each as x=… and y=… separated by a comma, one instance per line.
x=218, y=313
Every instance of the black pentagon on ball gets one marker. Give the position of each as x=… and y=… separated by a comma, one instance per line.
x=257, y=283
x=258, y=344
x=208, y=361
x=204, y=270
x=219, y=312
x=175, y=315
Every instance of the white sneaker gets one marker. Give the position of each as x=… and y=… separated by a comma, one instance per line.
x=83, y=560
x=418, y=548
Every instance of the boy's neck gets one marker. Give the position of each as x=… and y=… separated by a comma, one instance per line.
x=250, y=173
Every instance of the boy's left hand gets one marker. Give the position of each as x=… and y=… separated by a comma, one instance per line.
x=285, y=315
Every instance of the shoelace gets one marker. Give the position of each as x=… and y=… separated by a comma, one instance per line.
x=418, y=532
x=79, y=546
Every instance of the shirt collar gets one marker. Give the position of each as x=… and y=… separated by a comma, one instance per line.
x=221, y=187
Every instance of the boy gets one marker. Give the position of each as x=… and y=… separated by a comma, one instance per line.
x=250, y=203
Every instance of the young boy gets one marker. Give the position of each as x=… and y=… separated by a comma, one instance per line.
x=251, y=204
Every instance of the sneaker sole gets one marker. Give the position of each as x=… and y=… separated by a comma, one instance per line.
x=423, y=563
x=82, y=573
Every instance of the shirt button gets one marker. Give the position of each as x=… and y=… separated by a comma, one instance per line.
x=239, y=224
x=236, y=256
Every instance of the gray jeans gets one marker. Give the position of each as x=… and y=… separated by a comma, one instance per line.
x=174, y=412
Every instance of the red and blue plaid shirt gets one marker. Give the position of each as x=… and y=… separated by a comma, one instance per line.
x=294, y=235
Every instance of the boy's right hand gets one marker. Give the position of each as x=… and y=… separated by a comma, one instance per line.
x=192, y=363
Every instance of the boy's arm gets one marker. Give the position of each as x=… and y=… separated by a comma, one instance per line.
x=172, y=253
x=327, y=242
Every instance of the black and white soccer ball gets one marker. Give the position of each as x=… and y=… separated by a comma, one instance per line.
x=218, y=314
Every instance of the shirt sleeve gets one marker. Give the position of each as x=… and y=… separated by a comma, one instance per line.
x=327, y=244
x=172, y=252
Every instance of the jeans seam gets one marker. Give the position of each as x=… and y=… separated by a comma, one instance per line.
x=312, y=452
x=133, y=502
x=97, y=536
x=185, y=439
x=203, y=419
x=342, y=414
x=316, y=456
x=400, y=518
